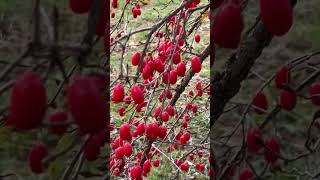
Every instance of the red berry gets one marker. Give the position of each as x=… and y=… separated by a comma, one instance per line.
x=197, y=38
x=137, y=94
x=185, y=166
x=288, y=100
x=282, y=77
x=136, y=172
x=122, y=111
x=246, y=174
x=276, y=15
x=140, y=129
x=146, y=167
x=87, y=106
x=157, y=112
x=127, y=149
x=125, y=133
x=102, y=24
x=186, y=117
x=272, y=150
x=228, y=26
x=173, y=77
x=254, y=140
x=114, y=3
x=179, y=162
x=92, y=148
x=165, y=116
x=118, y=93
x=127, y=99
x=170, y=110
x=135, y=58
x=314, y=93
x=37, y=154
x=260, y=103
x=165, y=77
x=119, y=152
x=152, y=131
x=112, y=16
x=195, y=64
x=162, y=132
x=116, y=172
x=80, y=6
x=58, y=122
x=156, y=163
x=27, y=102
x=181, y=69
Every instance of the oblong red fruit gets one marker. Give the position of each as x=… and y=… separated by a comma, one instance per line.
x=288, y=100
x=135, y=58
x=228, y=26
x=80, y=6
x=195, y=64
x=260, y=103
x=86, y=105
x=276, y=15
x=137, y=94
x=92, y=148
x=254, y=140
x=282, y=77
x=38, y=153
x=118, y=93
x=27, y=102
x=272, y=150
x=314, y=93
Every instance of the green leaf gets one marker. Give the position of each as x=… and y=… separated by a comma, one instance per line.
x=65, y=141
x=55, y=169
x=5, y=134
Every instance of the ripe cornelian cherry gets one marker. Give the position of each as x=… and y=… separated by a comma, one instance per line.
x=114, y=3
x=165, y=116
x=125, y=132
x=181, y=69
x=195, y=64
x=282, y=77
x=118, y=93
x=260, y=103
x=92, y=148
x=86, y=105
x=173, y=77
x=254, y=140
x=102, y=24
x=246, y=174
x=197, y=38
x=137, y=94
x=170, y=110
x=116, y=172
x=185, y=167
x=228, y=26
x=122, y=111
x=80, y=6
x=157, y=112
x=58, y=122
x=127, y=149
x=136, y=172
x=156, y=163
x=288, y=100
x=37, y=154
x=272, y=150
x=276, y=15
x=152, y=131
x=314, y=93
x=135, y=58
x=27, y=102
x=146, y=167
x=119, y=152
x=162, y=132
